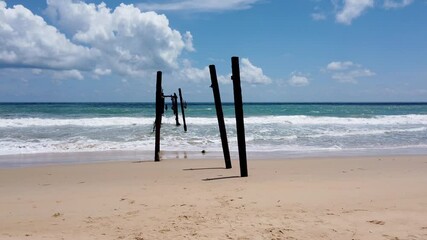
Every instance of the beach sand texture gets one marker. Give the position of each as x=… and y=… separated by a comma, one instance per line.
x=323, y=198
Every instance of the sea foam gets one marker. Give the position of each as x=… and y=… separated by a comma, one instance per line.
x=282, y=120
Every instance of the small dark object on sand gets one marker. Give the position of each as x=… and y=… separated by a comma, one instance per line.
x=203, y=152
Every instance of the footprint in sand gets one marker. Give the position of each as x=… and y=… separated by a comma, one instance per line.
x=378, y=222
x=390, y=237
x=278, y=233
x=89, y=220
x=354, y=210
x=132, y=213
x=55, y=215
x=130, y=201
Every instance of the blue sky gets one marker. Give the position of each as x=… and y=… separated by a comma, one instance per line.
x=290, y=51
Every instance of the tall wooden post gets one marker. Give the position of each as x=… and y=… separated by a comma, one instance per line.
x=220, y=116
x=182, y=109
x=159, y=111
x=175, y=108
x=240, y=124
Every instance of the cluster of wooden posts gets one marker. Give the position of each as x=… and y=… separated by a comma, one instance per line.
x=238, y=105
x=160, y=109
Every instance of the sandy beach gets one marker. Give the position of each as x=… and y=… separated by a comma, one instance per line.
x=320, y=198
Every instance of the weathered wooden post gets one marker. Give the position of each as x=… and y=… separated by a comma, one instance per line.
x=182, y=109
x=175, y=108
x=159, y=111
x=220, y=116
x=240, y=124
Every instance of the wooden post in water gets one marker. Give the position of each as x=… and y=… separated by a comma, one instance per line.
x=175, y=108
x=159, y=110
x=240, y=124
x=182, y=109
x=220, y=116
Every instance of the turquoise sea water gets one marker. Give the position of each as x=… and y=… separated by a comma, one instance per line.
x=285, y=129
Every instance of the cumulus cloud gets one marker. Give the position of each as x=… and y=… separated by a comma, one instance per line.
x=200, y=6
x=102, y=72
x=348, y=72
x=193, y=74
x=131, y=41
x=188, y=40
x=27, y=41
x=298, y=80
x=86, y=39
x=352, y=9
x=388, y=4
x=252, y=74
x=249, y=73
x=338, y=66
x=90, y=38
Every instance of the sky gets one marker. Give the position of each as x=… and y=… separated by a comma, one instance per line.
x=289, y=50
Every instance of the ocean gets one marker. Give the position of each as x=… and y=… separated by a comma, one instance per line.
x=37, y=133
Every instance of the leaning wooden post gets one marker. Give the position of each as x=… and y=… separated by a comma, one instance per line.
x=175, y=108
x=182, y=109
x=220, y=116
x=240, y=124
x=159, y=111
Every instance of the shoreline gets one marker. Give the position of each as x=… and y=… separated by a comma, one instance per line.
x=29, y=160
x=380, y=197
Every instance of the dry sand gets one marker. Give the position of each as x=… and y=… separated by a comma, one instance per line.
x=324, y=198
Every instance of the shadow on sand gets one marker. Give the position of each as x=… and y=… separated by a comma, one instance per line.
x=208, y=168
x=220, y=178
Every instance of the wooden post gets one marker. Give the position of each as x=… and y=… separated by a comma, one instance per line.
x=240, y=124
x=175, y=108
x=159, y=110
x=182, y=109
x=220, y=116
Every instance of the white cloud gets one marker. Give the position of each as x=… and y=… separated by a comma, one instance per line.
x=91, y=38
x=68, y=74
x=252, y=74
x=192, y=74
x=27, y=41
x=388, y=4
x=201, y=6
x=131, y=41
x=348, y=10
x=188, y=40
x=336, y=66
x=348, y=72
x=352, y=9
x=298, y=80
x=352, y=76
x=248, y=73
x=102, y=72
